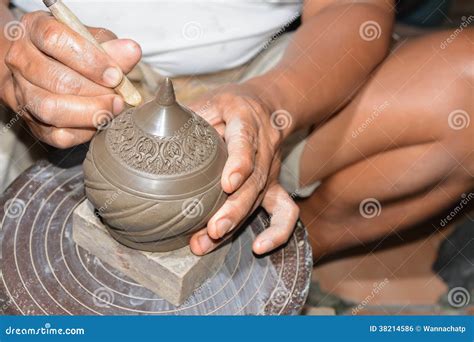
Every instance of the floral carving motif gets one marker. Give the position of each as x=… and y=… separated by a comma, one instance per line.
x=181, y=153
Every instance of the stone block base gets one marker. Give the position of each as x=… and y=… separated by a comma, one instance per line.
x=171, y=275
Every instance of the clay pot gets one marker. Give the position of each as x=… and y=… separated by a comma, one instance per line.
x=154, y=174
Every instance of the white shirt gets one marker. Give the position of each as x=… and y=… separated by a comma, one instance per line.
x=180, y=37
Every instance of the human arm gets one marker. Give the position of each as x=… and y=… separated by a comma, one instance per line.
x=329, y=57
x=61, y=83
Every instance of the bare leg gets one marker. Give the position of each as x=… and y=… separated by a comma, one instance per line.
x=404, y=142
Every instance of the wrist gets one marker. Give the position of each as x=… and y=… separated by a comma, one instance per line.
x=273, y=97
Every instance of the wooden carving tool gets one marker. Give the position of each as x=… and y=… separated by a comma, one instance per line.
x=64, y=15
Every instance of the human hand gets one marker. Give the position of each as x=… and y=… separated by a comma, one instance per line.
x=250, y=173
x=60, y=83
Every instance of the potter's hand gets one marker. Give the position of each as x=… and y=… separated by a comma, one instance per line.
x=250, y=173
x=60, y=83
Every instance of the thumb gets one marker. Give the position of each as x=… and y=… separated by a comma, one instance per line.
x=125, y=52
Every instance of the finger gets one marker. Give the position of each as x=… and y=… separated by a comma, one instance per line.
x=283, y=213
x=60, y=137
x=201, y=243
x=9, y=94
x=240, y=135
x=210, y=114
x=125, y=52
x=51, y=75
x=245, y=200
x=237, y=207
x=220, y=128
x=207, y=110
x=242, y=202
x=68, y=110
x=70, y=48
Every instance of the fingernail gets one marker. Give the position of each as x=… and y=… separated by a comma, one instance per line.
x=112, y=76
x=235, y=180
x=223, y=226
x=118, y=105
x=204, y=243
x=266, y=246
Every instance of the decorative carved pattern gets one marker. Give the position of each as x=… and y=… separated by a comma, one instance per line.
x=181, y=153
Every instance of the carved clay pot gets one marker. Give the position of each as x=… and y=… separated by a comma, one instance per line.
x=154, y=174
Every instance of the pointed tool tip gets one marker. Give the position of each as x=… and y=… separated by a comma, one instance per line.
x=166, y=96
x=49, y=3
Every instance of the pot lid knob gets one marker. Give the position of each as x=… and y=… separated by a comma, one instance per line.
x=163, y=116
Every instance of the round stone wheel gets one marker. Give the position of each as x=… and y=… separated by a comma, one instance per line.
x=45, y=273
